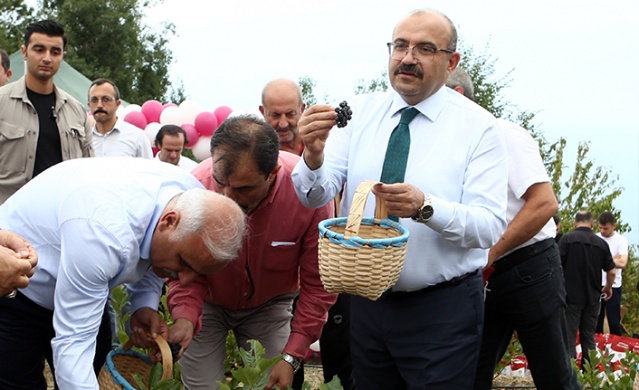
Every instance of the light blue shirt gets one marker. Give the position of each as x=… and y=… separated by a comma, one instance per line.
x=457, y=155
x=91, y=222
x=124, y=140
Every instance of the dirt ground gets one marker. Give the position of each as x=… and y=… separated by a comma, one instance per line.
x=313, y=375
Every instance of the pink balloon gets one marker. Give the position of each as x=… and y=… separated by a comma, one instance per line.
x=222, y=112
x=169, y=105
x=136, y=118
x=192, y=135
x=206, y=122
x=152, y=110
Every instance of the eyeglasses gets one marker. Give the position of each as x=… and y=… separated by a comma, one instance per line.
x=421, y=53
x=104, y=99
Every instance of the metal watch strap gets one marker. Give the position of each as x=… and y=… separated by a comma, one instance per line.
x=293, y=361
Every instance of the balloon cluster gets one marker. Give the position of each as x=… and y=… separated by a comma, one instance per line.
x=198, y=124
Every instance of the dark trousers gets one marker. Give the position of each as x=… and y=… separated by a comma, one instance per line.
x=612, y=309
x=526, y=294
x=584, y=319
x=428, y=340
x=334, y=343
x=26, y=331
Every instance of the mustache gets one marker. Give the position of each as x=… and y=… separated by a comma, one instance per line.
x=99, y=111
x=412, y=69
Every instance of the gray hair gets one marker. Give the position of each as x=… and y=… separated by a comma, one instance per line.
x=461, y=78
x=217, y=219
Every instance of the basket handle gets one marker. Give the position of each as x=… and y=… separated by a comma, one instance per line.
x=167, y=356
x=356, y=212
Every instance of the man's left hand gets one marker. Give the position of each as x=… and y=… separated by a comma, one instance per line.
x=401, y=199
x=281, y=376
x=146, y=325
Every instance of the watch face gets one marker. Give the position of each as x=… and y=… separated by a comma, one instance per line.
x=426, y=212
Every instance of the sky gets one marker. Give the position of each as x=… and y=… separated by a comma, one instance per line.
x=574, y=63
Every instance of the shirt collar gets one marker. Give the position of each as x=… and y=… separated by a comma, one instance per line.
x=430, y=107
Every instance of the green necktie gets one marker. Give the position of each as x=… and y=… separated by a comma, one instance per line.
x=397, y=151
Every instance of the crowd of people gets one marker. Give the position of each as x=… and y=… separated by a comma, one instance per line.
x=235, y=237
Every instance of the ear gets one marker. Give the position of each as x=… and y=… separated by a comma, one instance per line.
x=274, y=172
x=168, y=221
x=9, y=73
x=262, y=110
x=453, y=61
x=23, y=49
x=459, y=89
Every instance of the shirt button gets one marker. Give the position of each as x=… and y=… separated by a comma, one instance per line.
x=245, y=294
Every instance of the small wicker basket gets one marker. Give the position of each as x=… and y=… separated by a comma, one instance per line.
x=361, y=256
x=121, y=364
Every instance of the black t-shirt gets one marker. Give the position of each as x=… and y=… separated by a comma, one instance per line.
x=49, y=147
x=583, y=256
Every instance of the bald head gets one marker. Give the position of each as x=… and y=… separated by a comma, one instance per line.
x=416, y=76
x=281, y=87
x=282, y=107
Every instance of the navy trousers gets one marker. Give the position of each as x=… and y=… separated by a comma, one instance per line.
x=26, y=331
x=428, y=340
x=529, y=297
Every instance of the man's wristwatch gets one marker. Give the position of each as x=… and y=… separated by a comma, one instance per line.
x=293, y=361
x=424, y=213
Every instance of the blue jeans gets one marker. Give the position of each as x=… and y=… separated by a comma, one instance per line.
x=529, y=298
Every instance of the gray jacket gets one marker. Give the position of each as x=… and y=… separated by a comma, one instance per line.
x=19, y=129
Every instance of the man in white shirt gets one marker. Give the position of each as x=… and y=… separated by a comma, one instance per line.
x=171, y=139
x=524, y=269
x=619, y=250
x=113, y=136
x=137, y=222
x=426, y=331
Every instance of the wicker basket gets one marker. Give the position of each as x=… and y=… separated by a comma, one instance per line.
x=121, y=364
x=361, y=256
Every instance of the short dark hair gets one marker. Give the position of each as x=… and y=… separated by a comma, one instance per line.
x=48, y=27
x=247, y=134
x=105, y=81
x=556, y=218
x=583, y=216
x=5, y=61
x=607, y=217
x=172, y=130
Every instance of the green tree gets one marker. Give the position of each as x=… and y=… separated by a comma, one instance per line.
x=378, y=84
x=307, y=84
x=14, y=18
x=106, y=39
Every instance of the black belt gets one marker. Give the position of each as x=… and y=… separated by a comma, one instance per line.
x=517, y=257
x=390, y=294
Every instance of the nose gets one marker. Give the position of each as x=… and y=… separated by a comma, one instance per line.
x=410, y=53
x=282, y=123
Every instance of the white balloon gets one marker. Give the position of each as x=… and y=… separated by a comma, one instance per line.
x=202, y=149
x=189, y=109
x=151, y=131
x=129, y=108
x=170, y=116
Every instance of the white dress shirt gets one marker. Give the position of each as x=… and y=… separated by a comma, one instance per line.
x=124, y=140
x=525, y=168
x=184, y=162
x=92, y=232
x=457, y=154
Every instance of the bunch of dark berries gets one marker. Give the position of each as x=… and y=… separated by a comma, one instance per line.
x=175, y=350
x=344, y=114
